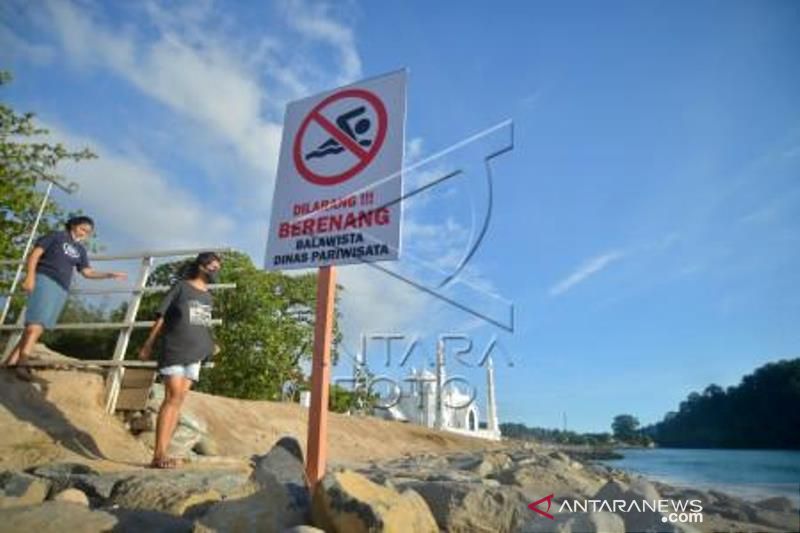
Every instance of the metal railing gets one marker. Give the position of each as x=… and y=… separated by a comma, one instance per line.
x=129, y=322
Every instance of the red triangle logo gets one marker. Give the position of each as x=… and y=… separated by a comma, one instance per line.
x=535, y=506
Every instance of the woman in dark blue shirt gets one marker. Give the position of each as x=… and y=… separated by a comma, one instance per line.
x=51, y=263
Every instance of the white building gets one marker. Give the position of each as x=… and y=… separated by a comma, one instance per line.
x=457, y=410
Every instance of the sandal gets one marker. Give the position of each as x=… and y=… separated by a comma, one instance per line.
x=22, y=372
x=21, y=368
x=164, y=463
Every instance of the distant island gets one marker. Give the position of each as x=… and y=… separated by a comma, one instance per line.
x=762, y=412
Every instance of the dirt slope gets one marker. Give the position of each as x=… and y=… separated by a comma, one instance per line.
x=244, y=427
x=60, y=418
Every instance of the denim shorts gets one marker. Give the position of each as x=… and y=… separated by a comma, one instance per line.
x=190, y=371
x=46, y=302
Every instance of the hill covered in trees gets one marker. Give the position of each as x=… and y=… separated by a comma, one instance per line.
x=762, y=412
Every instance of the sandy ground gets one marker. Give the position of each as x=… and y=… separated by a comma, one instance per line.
x=246, y=427
x=60, y=418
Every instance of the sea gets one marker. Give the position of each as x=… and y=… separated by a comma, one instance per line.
x=749, y=474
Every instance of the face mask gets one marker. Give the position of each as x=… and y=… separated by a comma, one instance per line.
x=210, y=277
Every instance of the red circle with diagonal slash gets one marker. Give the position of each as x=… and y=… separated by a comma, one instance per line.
x=364, y=157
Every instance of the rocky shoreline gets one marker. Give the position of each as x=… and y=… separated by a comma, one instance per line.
x=475, y=491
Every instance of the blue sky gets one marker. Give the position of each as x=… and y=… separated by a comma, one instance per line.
x=646, y=225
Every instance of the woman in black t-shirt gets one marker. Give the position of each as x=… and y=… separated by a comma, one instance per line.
x=51, y=264
x=184, y=327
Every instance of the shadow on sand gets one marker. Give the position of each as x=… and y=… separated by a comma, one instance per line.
x=26, y=401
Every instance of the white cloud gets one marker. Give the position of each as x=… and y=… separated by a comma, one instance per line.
x=775, y=208
x=441, y=246
x=13, y=46
x=413, y=151
x=589, y=268
x=195, y=63
x=379, y=303
x=315, y=23
x=791, y=152
x=531, y=100
x=136, y=202
x=204, y=82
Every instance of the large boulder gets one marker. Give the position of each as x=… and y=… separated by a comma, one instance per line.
x=55, y=517
x=190, y=430
x=644, y=489
x=141, y=495
x=280, y=499
x=140, y=521
x=266, y=511
x=425, y=467
x=728, y=507
x=559, y=456
x=18, y=489
x=423, y=462
x=192, y=421
x=782, y=520
x=777, y=513
x=140, y=422
x=206, y=446
x=467, y=507
x=639, y=493
x=180, y=493
x=613, y=490
x=72, y=496
x=547, y=475
x=482, y=464
x=491, y=463
x=283, y=465
x=464, y=461
x=184, y=439
x=780, y=504
x=63, y=476
x=451, y=475
x=347, y=502
x=561, y=460
x=575, y=523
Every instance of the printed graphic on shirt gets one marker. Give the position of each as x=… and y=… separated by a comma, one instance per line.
x=199, y=313
x=71, y=251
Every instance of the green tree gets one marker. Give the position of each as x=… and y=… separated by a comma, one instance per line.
x=26, y=158
x=82, y=344
x=267, y=331
x=341, y=400
x=625, y=428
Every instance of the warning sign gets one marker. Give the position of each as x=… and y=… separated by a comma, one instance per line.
x=339, y=183
x=358, y=132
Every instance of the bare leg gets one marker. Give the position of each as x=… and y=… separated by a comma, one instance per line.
x=187, y=385
x=25, y=345
x=174, y=392
x=13, y=356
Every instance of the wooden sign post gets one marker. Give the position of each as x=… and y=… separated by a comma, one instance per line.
x=316, y=448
